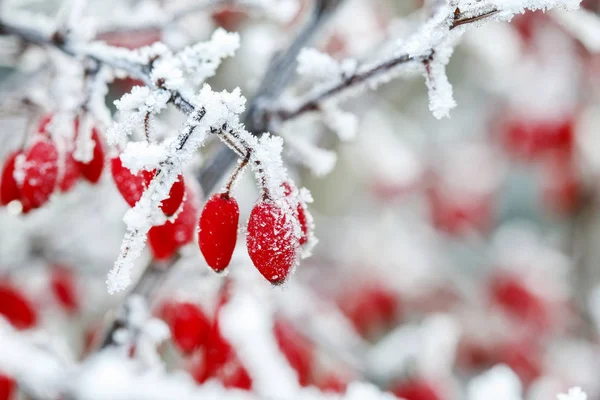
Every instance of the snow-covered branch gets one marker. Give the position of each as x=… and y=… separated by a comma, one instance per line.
x=429, y=50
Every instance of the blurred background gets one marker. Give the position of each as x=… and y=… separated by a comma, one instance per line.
x=446, y=247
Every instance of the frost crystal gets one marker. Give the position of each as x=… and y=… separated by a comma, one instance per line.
x=574, y=393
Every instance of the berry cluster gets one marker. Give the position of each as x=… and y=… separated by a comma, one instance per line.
x=272, y=239
x=33, y=173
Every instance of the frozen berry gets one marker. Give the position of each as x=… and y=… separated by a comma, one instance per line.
x=271, y=243
x=170, y=205
x=131, y=186
x=165, y=240
x=218, y=230
x=40, y=172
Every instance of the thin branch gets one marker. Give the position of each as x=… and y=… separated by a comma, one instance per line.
x=60, y=42
x=370, y=72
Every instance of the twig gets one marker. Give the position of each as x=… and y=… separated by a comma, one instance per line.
x=368, y=73
x=276, y=79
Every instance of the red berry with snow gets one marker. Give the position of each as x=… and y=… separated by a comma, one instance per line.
x=165, y=240
x=190, y=327
x=170, y=205
x=416, y=389
x=70, y=172
x=40, y=173
x=9, y=188
x=131, y=186
x=92, y=170
x=16, y=308
x=271, y=243
x=218, y=230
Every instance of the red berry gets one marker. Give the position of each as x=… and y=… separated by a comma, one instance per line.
x=515, y=298
x=132, y=186
x=271, y=243
x=415, y=389
x=189, y=325
x=9, y=188
x=170, y=205
x=221, y=362
x=296, y=348
x=16, y=308
x=218, y=230
x=40, y=173
x=63, y=286
x=129, y=185
x=371, y=308
x=92, y=170
x=165, y=240
x=70, y=172
x=7, y=387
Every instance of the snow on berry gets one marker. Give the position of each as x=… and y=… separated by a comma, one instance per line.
x=131, y=186
x=165, y=240
x=69, y=173
x=40, y=172
x=271, y=242
x=170, y=205
x=217, y=230
x=9, y=188
x=92, y=170
x=16, y=308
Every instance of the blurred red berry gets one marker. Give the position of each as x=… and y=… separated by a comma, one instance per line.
x=40, y=172
x=190, y=327
x=371, y=308
x=16, y=308
x=64, y=287
x=415, y=389
x=7, y=387
x=297, y=349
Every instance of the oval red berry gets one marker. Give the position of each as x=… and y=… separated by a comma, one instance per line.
x=271, y=243
x=218, y=230
x=63, y=286
x=9, y=188
x=16, y=308
x=40, y=173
